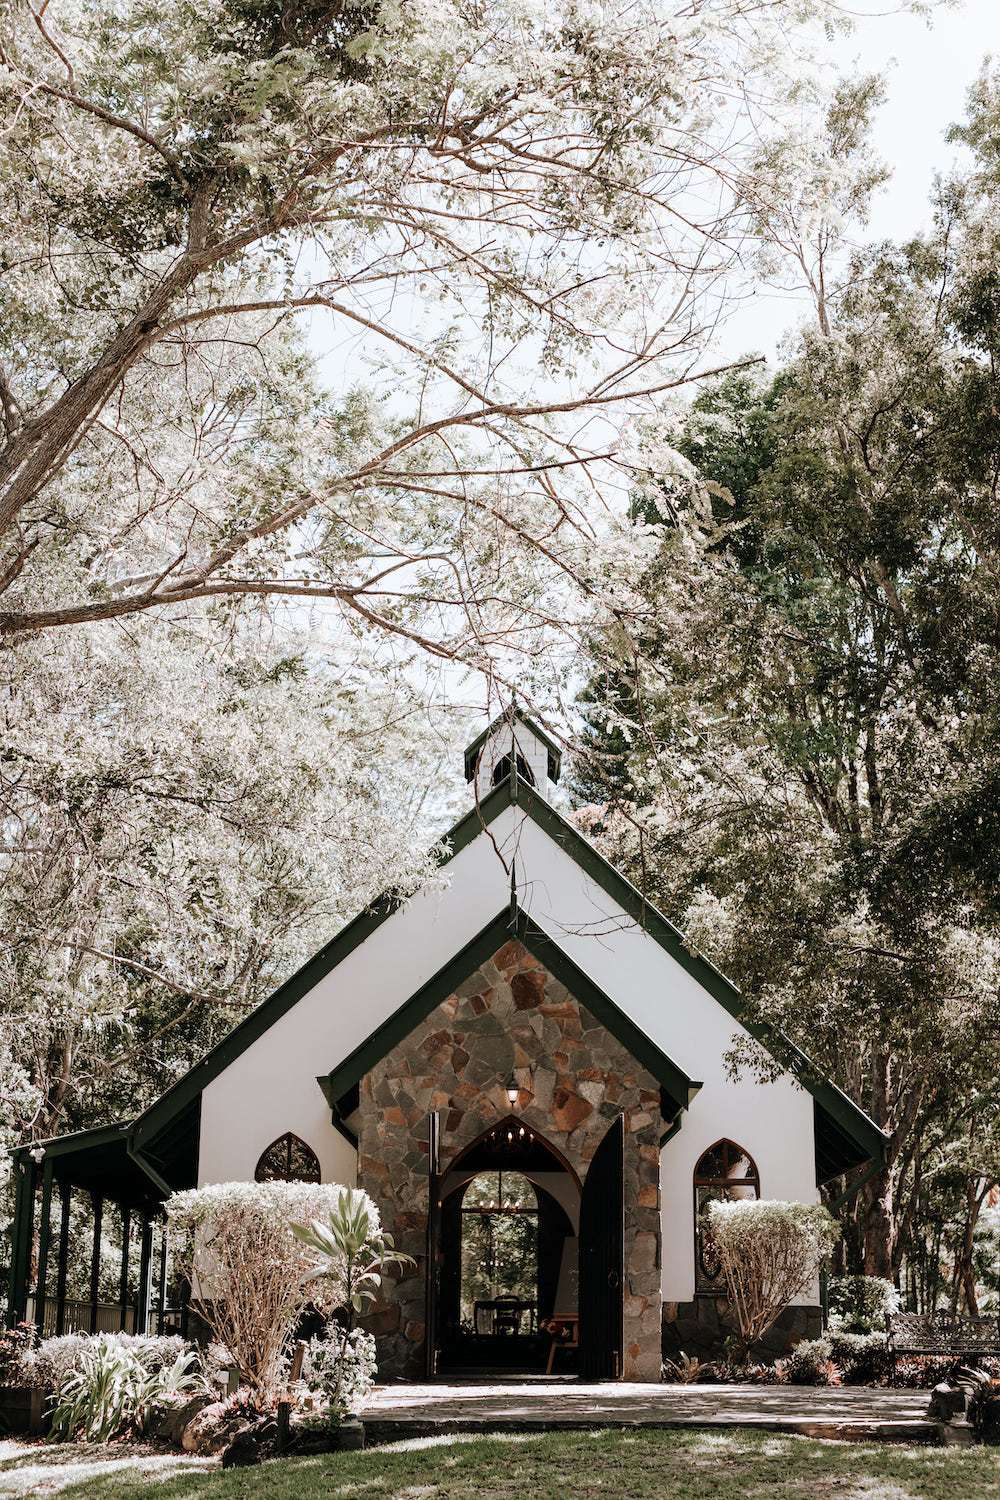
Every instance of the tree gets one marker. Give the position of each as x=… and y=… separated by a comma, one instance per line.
x=185, y=818
x=180, y=182
x=819, y=718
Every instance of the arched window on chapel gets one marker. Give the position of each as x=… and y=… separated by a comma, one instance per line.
x=725, y=1172
x=288, y=1160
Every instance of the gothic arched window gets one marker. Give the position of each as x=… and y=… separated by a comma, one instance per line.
x=725, y=1172
x=502, y=770
x=288, y=1160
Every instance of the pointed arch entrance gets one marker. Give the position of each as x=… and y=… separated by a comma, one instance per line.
x=505, y=1259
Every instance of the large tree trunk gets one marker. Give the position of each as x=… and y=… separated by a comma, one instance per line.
x=964, y=1277
x=879, y=1191
x=880, y=1223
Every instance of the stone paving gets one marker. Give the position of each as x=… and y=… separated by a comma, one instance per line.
x=398, y=1411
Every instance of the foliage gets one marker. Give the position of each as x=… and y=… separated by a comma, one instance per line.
x=462, y=190
x=809, y=1364
x=861, y=1304
x=111, y=1389
x=16, y=1345
x=251, y=1278
x=499, y=1249
x=770, y=1254
x=983, y=1405
x=354, y=1251
x=353, y=1247
x=185, y=819
x=341, y=1369
x=688, y=1370
x=862, y=1358
x=53, y=1361
x=801, y=743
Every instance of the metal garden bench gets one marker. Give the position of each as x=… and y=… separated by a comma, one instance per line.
x=942, y=1334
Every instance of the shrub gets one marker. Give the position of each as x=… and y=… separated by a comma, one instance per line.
x=341, y=1370
x=731, y=1374
x=110, y=1389
x=687, y=1370
x=55, y=1359
x=860, y=1304
x=809, y=1364
x=16, y=1345
x=770, y=1253
x=923, y=1372
x=250, y=1278
x=863, y=1358
x=354, y=1251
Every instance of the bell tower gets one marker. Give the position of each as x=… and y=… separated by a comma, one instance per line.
x=513, y=741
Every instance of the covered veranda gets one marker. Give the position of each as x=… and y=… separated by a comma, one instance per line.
x=102, y=1177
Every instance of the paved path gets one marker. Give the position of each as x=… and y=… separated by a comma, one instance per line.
x=397, y=1411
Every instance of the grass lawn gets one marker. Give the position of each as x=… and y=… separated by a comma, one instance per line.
x=650, y=1465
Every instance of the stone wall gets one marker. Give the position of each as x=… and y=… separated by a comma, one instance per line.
x=700, y=1329
x=511, y=1016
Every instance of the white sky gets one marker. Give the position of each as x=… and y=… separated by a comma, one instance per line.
x=929, y=69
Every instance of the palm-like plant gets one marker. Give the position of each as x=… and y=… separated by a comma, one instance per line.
x=355, y=1251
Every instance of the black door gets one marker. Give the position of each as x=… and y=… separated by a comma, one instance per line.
x=602, y=1259
x=433, y=1243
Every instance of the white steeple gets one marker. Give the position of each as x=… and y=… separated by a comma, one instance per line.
x=515, y=739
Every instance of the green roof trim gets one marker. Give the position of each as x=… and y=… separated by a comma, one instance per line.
x=103, y=1161
x=554, y=753
x=674, y=1083
x=846, y=1123
x=850, y=1137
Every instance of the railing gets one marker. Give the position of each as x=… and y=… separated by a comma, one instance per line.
x=77, y=1316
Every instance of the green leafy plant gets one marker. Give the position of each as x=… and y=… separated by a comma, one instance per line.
x=354, y=1251
x=341, y=1370
x=15, y=1345
x=112, y=1391
x=688, y=1370
x=861, y=1304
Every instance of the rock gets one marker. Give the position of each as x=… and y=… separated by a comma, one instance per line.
x=946, y=1402
x=185, y=1413
x=251, y=1444
x=956, y=1434
x=211, y=1430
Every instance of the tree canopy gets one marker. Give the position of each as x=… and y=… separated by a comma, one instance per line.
x=802, y=742
x=508, y=219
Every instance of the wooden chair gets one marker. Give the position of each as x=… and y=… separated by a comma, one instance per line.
x=573, y=1342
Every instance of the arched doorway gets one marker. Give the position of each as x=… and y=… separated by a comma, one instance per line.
x=506, y=1257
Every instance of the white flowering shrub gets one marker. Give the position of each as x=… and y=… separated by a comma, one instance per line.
x=340, y=1369
x=770, y=1253
x=250, y=1277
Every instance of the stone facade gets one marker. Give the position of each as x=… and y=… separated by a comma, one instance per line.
x=510, y=1017
x=700, y=1329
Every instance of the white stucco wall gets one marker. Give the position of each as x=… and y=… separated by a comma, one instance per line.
x=773, y=1121
x=271, y=1088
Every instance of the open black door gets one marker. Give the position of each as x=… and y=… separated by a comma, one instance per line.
x=433, y=1243
x=602, y=1259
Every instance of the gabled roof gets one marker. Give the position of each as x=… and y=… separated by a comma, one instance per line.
x=676, y=1088
x=554, y=753
x=845, y=1135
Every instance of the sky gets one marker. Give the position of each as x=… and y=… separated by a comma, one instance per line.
x=928, y=68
